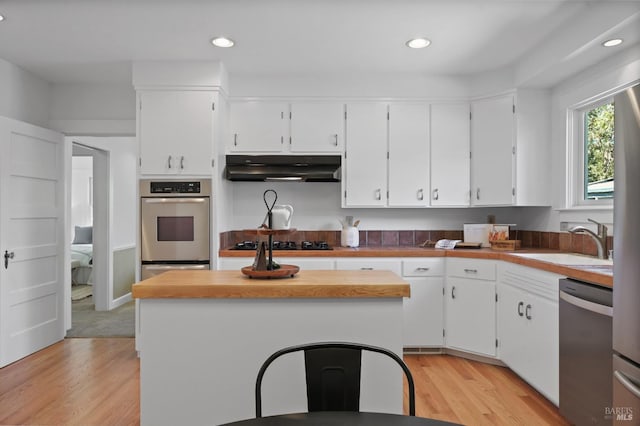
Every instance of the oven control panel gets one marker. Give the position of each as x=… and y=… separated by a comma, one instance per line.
x=175, y=187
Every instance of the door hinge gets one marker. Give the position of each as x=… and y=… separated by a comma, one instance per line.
x=345, y=193
x=443, y=291
x=513, y=191
x=443, y=332
x=470, y=154
x=387, y=194
x=514, y=108
x=140, y=161
x=289, y=140
x=387, y=115
x=496, y=343
x=281, y=140
x=496, y=297
x=345, y=115
x=290, y=115
x=513, y=150
x=213, y=162
x=469, y=115
x=213, y=106
x=387, y=155
x=140, y=105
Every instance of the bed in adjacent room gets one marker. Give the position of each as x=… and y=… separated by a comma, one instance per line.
x=82, y=256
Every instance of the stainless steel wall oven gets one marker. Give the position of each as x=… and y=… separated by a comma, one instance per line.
x=175, y=225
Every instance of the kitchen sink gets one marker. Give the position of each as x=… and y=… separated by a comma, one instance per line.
x=569, y=259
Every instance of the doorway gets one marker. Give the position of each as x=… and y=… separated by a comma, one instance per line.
x=102, y=201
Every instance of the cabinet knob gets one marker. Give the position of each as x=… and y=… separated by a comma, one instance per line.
x=528, y=312
x=169, y=162
x=182, y=162
x=520, y=306
x=335, y=139
x=235, y=139
x=378, y=194
x=435, y=194
x=478, y=194
x=366, y=269
x=420, y=194
x=453, y=292
x=471, y=271
x=422, y=269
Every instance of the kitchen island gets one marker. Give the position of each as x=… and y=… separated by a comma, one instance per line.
x=203, y=335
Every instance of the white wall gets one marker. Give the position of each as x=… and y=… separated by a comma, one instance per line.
x=317, y=206
x=23, y=95
x=407, y=85
x=123, y=157
x=93, y=109
x=81, y=188
x=613, y=73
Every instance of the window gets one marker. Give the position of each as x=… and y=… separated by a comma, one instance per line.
x=598, y=153
x=592, y=155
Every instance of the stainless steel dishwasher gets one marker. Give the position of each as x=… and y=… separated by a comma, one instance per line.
x=586, y=348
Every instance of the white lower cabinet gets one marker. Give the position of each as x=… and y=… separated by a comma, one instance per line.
x=370, y=263
x=423, y=311
x=470, y=306
x=528, y=325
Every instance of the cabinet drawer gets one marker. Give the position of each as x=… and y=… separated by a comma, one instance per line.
x=394, y=265
x=478, y=269
x=429, y=267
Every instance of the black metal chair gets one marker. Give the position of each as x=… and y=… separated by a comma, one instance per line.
x=333, y=375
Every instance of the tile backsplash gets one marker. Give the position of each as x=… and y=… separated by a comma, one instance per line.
x=576, y=243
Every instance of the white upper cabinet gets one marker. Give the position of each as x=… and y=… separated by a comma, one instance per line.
x=175, y=131
x=258, y=126
x=510, y=140
x=492, y=151
x=365, y=175
x=317, y=127
x=450, y=163
x=408, y=155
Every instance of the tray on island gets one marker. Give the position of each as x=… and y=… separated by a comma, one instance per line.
x=284, y=271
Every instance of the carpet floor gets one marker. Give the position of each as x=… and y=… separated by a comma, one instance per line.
x=87, y=322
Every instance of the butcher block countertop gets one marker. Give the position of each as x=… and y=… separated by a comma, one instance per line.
x=305, y=284
x=586, y=272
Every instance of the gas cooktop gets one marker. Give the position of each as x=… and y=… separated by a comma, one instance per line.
x=285, y=245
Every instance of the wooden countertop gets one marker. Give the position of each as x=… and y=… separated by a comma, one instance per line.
x=579, y=272
x=306, y=284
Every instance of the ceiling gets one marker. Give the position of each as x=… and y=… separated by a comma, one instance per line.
x=96, y=40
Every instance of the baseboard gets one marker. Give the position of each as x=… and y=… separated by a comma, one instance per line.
x=121, y=300
x=410, y=350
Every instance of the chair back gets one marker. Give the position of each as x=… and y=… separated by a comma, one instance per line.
x=333, y=375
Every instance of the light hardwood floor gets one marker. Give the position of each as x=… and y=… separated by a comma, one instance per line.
x=96, y=382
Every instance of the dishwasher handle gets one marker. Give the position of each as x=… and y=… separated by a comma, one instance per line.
x=586, y=304
x=627, y=383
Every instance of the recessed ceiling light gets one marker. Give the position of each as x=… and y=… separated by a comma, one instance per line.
x=612, y=42
x=1, y=18
x=222, y=42
x=418, y=43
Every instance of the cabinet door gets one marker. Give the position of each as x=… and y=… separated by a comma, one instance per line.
x=393, y=265
x=511, y=327
x=258, y=126
x=365, y=179
x=176, y=132
x=470, y=323
x=492, y=156
x=542, y=347
x=450, y=162
x=408, y=155
x=423, y=312
x=317, y=127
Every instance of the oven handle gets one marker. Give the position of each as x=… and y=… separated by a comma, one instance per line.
x=627, y=383
x=173, y=267
x=173, y=200
x=585, y=304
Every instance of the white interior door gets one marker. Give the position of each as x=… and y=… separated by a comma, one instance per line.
x=31, y=239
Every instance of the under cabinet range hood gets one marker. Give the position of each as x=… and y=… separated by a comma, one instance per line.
x=273, y=168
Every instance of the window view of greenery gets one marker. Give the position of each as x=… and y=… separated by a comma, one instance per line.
x=599, y=160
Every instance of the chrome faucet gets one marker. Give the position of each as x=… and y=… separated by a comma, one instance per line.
x=600, y=238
